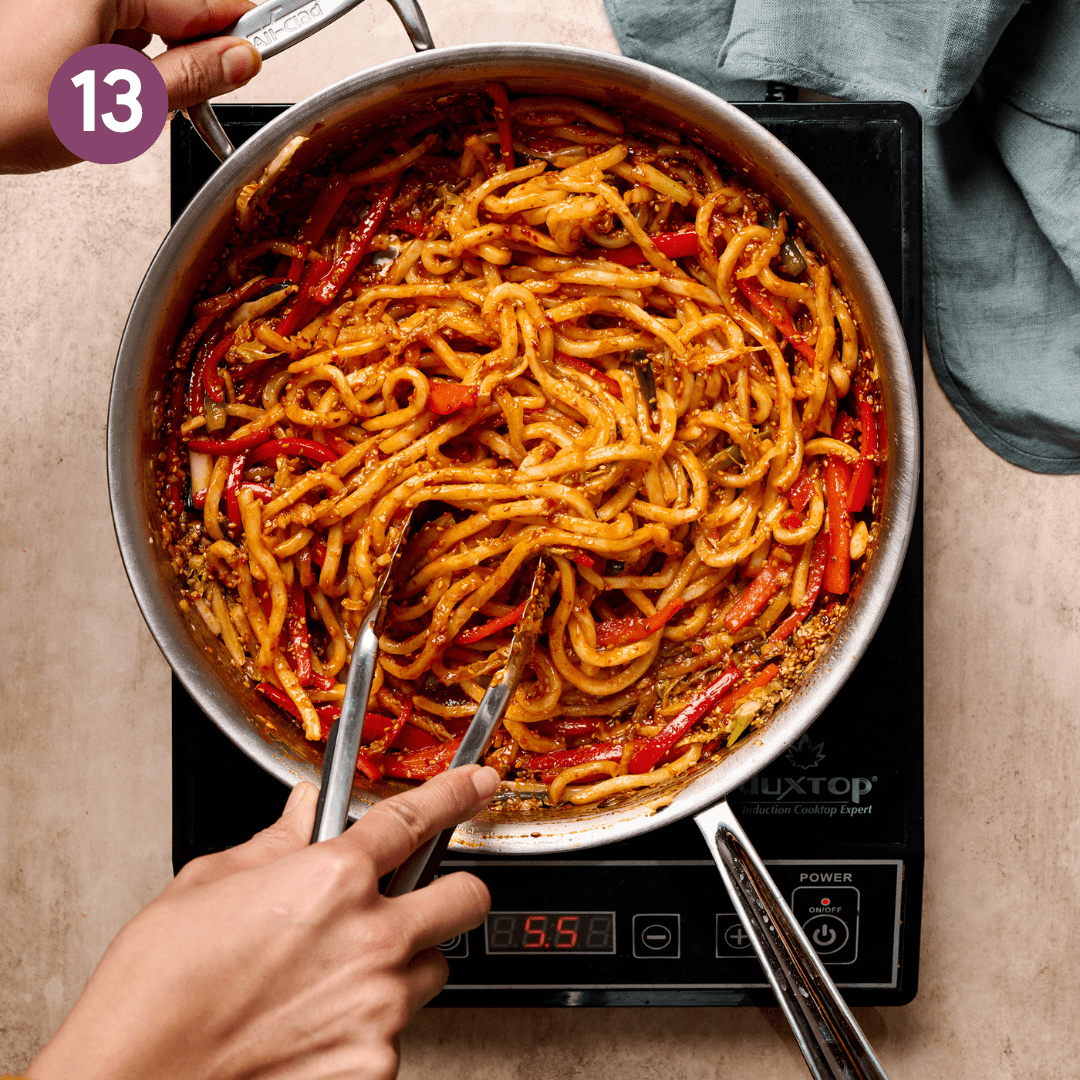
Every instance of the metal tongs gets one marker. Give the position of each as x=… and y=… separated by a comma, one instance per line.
x=419, y=868
x=343, y=742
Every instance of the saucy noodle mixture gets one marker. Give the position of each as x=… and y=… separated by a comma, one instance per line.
x=550, y=330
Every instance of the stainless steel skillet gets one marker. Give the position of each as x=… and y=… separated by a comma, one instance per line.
x=333, y=118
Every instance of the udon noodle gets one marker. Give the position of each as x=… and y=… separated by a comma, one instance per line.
x=549, y=330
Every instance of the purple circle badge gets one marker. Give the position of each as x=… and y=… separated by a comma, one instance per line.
x=108, y=104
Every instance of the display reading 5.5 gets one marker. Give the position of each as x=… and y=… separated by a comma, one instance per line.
x=532, y=932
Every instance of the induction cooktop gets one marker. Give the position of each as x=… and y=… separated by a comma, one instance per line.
x=838, y=818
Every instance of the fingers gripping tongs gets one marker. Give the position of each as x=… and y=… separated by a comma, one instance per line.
x=343, y=742
x=419, y=869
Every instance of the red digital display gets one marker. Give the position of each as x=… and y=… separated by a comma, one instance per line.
x=551, y=932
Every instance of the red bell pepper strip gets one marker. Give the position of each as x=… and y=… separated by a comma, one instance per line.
x=413, y=738
x=375, y=726
x=292, y=447
x=298, y=313
x=791, y=520
x=838, y=568
x=318, y=552
x=631, y=628
x=675, y=245
x=550, y=765
x=630, y=255
x=218, y=305
x=762, y=678
x=478, y=633
x=358, y=244
x=419, y=764
x=843, y=427
x=801, y=492
x=861, y=481
x=296, y=623
x=339, y=445
x=407, y=737
x=819, y=557
x=232, y=484
x=445, y=398
x=605, y=380
x=655, y=748
x=326, y=205
x=779, y=315
x=327, y=713
x=393, y=729
x=191, y=339
x=230, y=446
x=868, y=427
x=502, y=122
x=296, y=268
x=582, y=558
x=196, y=379
x=413, y=224
x=368, y=765
x=263, y=492
x=863, y=476
x=574, y=727
x=753, y=599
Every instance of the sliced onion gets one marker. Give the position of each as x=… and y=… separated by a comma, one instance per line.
x=200, y=466
x=215, y=415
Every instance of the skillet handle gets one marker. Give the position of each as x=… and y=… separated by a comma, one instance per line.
x=831, y=1041
x=272, y=27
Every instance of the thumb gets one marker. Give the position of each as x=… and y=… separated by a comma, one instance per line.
x=291, y=832
x=199, y=70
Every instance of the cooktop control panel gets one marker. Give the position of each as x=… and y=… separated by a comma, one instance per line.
x=681, y=933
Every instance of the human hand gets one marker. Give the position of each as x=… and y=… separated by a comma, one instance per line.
x=279, y=958
x=38, y=37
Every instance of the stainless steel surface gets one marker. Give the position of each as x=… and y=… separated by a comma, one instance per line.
x=832, y=1043
x=204, y=120
x=275, y=25
x=343, y=741
x=412, y=18
x=419, y=868
x=374, y=96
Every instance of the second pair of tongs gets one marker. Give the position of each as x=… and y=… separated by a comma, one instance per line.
x=343, y=742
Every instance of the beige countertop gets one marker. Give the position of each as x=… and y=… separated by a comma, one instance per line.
x=84, y=693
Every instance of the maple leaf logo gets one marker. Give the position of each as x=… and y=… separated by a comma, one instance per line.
x=805, y=754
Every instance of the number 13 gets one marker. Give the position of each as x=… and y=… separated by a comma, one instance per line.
x=129, y=99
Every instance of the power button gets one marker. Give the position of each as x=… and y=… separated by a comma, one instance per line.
x=829, y=915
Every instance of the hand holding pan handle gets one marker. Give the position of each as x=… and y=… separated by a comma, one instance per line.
x=832, y=1043
x=273, y=26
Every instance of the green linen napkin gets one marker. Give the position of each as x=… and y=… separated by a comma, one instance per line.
x=996, y=82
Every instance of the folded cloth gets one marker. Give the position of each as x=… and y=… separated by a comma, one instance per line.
x=996, y=82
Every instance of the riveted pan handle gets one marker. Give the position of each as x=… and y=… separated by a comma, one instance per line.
x=832, y=1043
x=274, y=26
